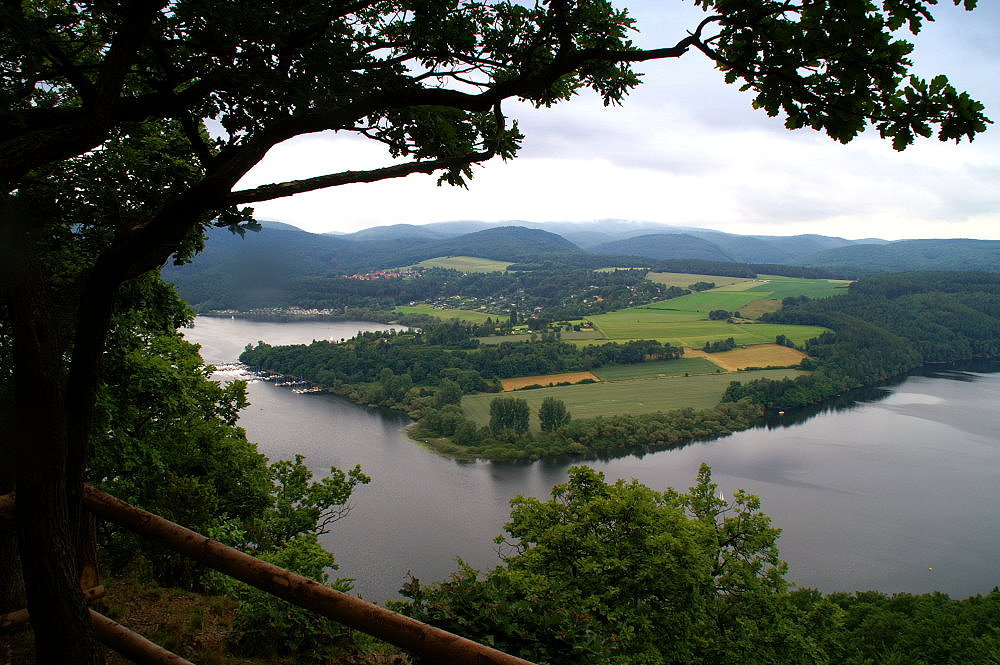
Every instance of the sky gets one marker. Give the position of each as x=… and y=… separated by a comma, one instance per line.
x=686, y=149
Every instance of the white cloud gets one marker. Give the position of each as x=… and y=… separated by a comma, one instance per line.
x=687, y=149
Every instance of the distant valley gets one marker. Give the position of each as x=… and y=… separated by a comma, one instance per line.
x=273, y=266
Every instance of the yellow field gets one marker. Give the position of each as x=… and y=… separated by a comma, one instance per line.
x=546, y=380
x=684, y=279
x=758, y=355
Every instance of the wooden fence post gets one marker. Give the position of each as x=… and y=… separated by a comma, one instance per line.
x=427, y=641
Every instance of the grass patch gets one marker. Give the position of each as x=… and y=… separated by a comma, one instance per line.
x=570, y=335
x=705, y=301
x=675, y=328
x=448, y=314
x=755, y=309
x=685, y=279
x=466, y=264
x=777, y=288
x=656, y=368
x=634, y=396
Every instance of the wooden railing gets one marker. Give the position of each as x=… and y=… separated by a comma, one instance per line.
x=419, y=638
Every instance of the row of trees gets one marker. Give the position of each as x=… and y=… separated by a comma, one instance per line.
x=510, y=416
x=563, y=293
x=508, y=435
x=443, y=350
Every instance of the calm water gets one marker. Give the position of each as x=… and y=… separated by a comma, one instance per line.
x=896, y=494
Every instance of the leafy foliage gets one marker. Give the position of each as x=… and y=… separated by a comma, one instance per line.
x=269, y=626
x=166, y=440
x=552, y=414
x=621, y=573
x=508, y=416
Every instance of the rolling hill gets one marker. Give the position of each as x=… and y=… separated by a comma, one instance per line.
x=665, y=246
x=948, y=254
x=271, y=266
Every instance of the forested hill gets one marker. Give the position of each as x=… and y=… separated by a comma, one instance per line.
x=665, y=246
x=901, y=255
x=885, y=325
x=281, y=264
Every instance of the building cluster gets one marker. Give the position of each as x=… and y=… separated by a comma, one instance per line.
x=404, y=273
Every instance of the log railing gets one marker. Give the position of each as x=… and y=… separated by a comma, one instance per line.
x=419, y=638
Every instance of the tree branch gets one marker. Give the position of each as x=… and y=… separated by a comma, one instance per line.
x=280, y=190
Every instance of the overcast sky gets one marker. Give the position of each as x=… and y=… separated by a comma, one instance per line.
x=687, y=149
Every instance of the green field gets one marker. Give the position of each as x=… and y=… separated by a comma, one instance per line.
x=684, y=321
x=657, y=368
x=449, y=314
x=672, y=327
x=635, y=396
x=705, y=301
x=466, y=264
x=777, y=288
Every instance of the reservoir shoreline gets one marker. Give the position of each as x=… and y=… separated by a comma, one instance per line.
x=870, y=494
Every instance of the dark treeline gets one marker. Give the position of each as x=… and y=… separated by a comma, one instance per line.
x=693, y=266
x=885, y=325
x=562, y=294
x=751, y=270
x=586, y=438
x=559, y=285
x=448, y=350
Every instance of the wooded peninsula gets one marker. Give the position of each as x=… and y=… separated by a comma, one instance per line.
x=884, y=325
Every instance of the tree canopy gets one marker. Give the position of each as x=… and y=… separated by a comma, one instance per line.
x=126, y=126
x=617, y=572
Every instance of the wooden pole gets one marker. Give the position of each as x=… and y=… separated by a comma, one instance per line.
x=18, y=617
x=427, y=641
x=132, y=645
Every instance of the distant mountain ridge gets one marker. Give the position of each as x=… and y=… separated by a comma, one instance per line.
x=902, y=255
x=271, y=262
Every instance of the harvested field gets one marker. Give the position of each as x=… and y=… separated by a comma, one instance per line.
x=685, y=279
x=546, y=380
x=759, y=355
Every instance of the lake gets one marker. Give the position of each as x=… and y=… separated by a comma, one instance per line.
x=893, y=489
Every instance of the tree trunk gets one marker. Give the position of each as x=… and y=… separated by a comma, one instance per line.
x=47, y=512
x=11, y=582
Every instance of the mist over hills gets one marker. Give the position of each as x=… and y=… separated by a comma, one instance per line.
x=267, y=264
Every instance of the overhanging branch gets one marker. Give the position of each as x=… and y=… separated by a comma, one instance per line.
x=282, y=189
